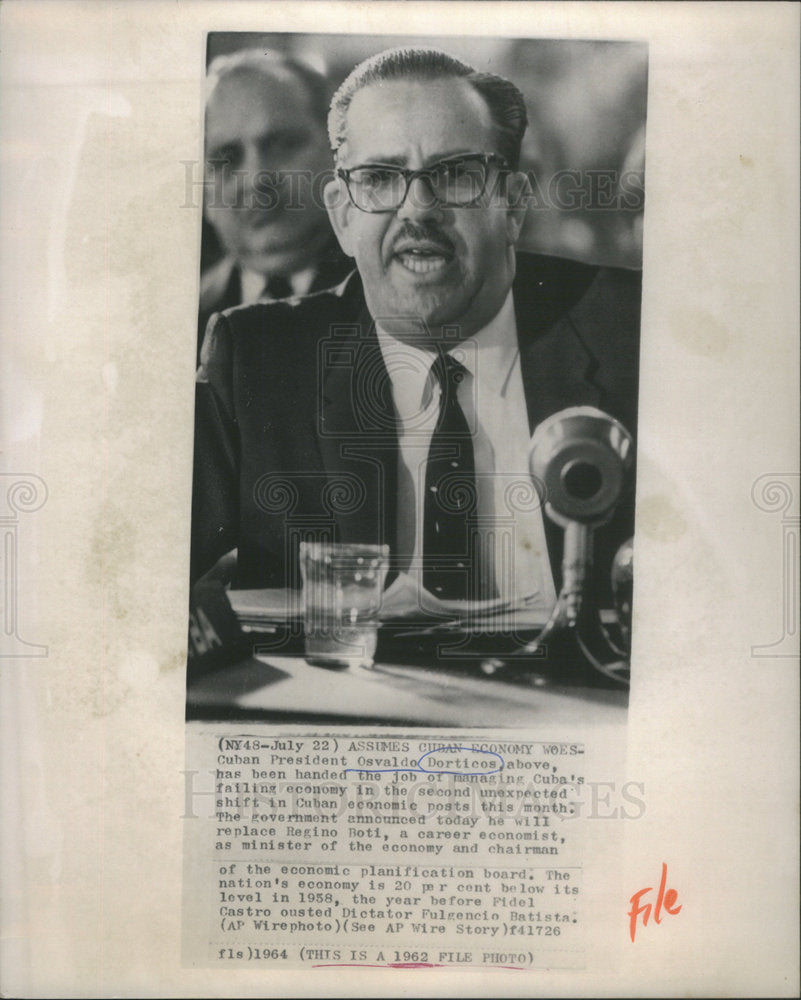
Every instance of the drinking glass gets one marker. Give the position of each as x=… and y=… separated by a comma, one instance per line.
x=342, y=588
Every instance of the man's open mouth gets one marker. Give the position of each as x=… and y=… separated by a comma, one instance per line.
x=423, y=258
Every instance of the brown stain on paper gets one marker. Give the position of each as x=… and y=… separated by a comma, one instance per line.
x=700, y=332
x=659, y=519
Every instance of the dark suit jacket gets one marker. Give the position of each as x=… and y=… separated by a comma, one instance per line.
x=295, y=428
x=221, y=284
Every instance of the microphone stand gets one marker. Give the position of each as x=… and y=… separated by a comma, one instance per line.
x=576, y=615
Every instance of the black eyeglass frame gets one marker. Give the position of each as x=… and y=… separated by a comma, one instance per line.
x=486, y=159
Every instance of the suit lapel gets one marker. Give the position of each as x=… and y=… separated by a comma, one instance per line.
x=557, y=368
x=357, y=434
x=332, y=267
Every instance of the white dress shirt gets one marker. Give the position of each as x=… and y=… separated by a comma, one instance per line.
x=492, y=398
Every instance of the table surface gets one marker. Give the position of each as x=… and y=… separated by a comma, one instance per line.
x=287, y=688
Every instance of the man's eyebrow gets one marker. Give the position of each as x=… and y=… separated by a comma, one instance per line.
x=382, y=161
x=223, y=146
x=401, y=161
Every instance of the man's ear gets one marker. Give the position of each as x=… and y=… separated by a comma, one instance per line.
x=518, y=193
x=339, y=208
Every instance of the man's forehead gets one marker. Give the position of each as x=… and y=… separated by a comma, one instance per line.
x=245, y=99
x=389, y=118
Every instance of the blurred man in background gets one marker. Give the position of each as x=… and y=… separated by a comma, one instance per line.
x=267, y=160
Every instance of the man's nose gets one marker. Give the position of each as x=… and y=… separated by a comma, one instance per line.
x=261, y=159
x=262, y=183
x=420, y=202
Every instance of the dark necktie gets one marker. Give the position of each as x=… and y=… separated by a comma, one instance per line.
x=278, y=287
x=450, y=539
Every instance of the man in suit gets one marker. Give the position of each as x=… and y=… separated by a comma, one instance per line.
x=324, y=417
x=266, y=159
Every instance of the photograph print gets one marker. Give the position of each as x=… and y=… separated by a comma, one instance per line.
x=417, y=378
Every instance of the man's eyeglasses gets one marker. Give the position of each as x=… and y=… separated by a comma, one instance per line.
x=456, y=181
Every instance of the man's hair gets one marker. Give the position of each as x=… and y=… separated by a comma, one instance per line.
x=272, y=66
x=506, y=105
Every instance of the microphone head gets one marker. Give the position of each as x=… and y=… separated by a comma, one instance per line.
x=579, y=458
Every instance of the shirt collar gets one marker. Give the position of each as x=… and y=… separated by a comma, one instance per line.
x=408, y=367
x=492, y=351
x=253, y=283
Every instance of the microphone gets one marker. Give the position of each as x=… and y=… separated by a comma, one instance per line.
x=579, y=459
